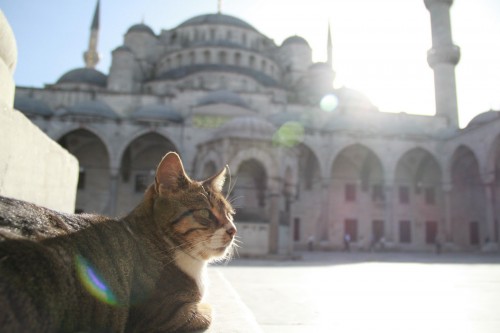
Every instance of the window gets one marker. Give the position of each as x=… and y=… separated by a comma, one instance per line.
x=378, y=193
x=141, y=182
x=377, y=230
x=206, y=57
x=351, y=228
x=404, y=194
x=296, y=229
x=430, y=232
x=212, y=34
x=222, y=57
x=430, y=196
x=405, y=231
x=237, y=59
x=191, y=58
x=474, y=233
x=350, y=192
x=251, y=61
x=81, y=179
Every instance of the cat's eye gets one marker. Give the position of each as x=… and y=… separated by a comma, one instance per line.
x=205, y=213
x=205, y=217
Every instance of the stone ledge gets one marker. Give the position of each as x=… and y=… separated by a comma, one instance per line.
x=230, y=314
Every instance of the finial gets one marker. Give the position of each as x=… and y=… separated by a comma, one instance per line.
x=329, y=47
x=219, y=6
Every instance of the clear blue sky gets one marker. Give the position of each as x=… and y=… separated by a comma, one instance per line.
x=379, y=45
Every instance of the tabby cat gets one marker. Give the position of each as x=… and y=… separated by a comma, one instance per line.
x=89, y=273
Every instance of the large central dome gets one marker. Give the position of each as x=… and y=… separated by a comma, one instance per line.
x=217, y=19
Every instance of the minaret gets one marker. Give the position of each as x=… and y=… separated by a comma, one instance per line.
x=442, y=58
x=91, y=56
x=329, y=46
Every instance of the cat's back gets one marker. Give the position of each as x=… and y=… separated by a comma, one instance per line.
x=21, y=219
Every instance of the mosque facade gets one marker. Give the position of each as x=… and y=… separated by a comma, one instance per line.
x=309, y=163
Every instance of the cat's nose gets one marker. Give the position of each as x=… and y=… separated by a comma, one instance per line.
x=231, y=231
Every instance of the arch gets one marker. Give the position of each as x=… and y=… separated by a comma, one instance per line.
x=209, y=157
x=94, y=175
x=75, y=127
x=251, y=191
x=492, y=167
x=359, y=164
x=417, y=167
x=468, y=202
x=120, y=150
x=269, y=163
x=309, y=168
x=137, y=167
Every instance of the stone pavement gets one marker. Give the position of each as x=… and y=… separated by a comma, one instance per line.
x=359, y=292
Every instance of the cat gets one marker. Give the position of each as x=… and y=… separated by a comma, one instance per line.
x=90, y=273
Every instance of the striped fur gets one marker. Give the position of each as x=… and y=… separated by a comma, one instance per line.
x=88, y=273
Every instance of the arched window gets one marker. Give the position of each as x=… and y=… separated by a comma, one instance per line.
x=222, y=57
x=237, y=59
x=206, y=57
x=192, y=59
x=251, y=62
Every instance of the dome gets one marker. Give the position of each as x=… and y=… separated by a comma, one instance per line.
x=217, y=19
x=222, y=97
x=351, y=100
x=484, y=117
x=295, y=40
x=157, y=112
x=247, y=128
x=32, y=106
x=92, y=108
x=84, y=75
x=283, y=117
x=141, y=27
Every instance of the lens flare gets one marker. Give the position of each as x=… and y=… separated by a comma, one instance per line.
x=93, y=282
x=289, y=134
x=329, y=103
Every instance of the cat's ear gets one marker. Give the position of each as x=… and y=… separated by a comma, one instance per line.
x=217, y=181
x=170, y=174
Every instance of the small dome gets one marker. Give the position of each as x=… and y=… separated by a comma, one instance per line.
x=157, y=112
x=247, y=128
x=122, y=48
x=283, y=117
x=92, y=108
x=351, y=100
x=484, y=118
x=32, y=106
x=295, y=40
x=320, y=66
x=84, y=75
x=141, y=27
x=222, y=97
x=217, y=19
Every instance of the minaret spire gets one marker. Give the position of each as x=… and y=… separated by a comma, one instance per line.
x=329, y=47
x=91, y=56
x=219, y=6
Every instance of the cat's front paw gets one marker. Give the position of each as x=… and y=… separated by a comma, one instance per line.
x=205, y=310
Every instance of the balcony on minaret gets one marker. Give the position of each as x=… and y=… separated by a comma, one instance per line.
x=449, y=54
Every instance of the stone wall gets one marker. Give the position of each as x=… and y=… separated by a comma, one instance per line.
x=32, y=166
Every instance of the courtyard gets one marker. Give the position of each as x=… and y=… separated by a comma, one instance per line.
x=370, y=292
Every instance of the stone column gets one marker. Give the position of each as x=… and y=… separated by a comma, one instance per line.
x=447, y=213
x=114, y=174
x=490, y=209
x=389, y=210
x=274, y=215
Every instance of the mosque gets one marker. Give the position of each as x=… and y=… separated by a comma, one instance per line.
x=309, y=163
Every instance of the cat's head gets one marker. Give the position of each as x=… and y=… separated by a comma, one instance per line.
x=194, y=216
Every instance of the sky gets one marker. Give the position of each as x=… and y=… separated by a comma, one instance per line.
x=379, y=46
